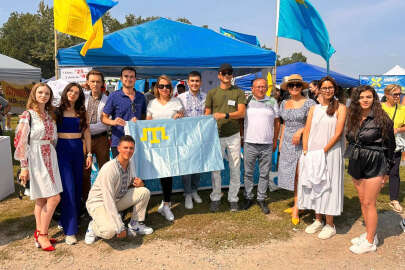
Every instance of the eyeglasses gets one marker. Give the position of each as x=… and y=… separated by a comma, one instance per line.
x=396, y=95
x=229, y=73
x=292, y=85
x=328, y=89
x=133, y=107
x=162, y=86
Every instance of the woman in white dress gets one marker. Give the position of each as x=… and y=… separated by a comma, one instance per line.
x=165, y=106
x=38, y=159
x=320, y=184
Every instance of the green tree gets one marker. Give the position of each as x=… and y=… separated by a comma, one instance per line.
x=294, y=58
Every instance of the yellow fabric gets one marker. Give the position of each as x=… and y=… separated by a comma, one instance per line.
x=73, y=17
x=399, y=120
x=269, y=84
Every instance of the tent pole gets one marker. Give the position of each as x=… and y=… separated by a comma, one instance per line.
x=276, y=43
x=56, y=52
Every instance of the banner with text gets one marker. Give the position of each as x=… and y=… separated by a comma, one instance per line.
x=17, y=95
x=169, y=147
x=379, y=82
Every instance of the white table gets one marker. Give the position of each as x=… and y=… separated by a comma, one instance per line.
x=6, y=168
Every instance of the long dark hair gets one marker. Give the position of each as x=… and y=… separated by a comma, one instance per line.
x=79, y=107
x=354, y=113
x=334, y=103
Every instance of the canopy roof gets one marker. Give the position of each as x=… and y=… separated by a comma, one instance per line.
x=165, y=46
x=14, y=70
x=307, y=71
x=397, y=70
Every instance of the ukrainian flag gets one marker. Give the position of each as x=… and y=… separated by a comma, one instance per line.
x=299, y=20
x=82, y=18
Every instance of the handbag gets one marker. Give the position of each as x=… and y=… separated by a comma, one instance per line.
x=24, y=189
x=399, y=138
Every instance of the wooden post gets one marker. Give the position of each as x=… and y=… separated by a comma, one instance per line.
x=276, y=42
x=56, y=52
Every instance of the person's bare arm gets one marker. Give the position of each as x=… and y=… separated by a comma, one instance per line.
x=276, y=132
x=240, y=113
x=307, y=129
x=340, y=125
x=116, y=122
x=207, y=111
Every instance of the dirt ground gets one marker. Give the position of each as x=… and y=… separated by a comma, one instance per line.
x=301, y=251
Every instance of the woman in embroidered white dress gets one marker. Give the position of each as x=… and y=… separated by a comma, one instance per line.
x=38, y=159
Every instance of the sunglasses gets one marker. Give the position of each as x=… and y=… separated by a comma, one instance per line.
x=396, y=95
x=162, y=86
x=229, y=73
x=292, y=85
x=133, y=107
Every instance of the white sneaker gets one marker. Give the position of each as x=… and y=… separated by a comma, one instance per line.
x=139, y=228
x=188, y=202
x=402, y=224
x=60, y=228
x=90, y=236
x=196, y=197
x=363, y=247
x=70, y=239
x=357, y=240
x=165, y=211
x=314, y=227
x=327, y=232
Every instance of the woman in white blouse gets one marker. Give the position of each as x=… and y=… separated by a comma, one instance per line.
x=165, y=106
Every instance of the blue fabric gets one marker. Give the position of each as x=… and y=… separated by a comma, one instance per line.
x=300, y=21
x=163, y=46
x=379, y=82
x=70, y=162
x=307, y=71
x=189, y=145
x=120, y=105
x=239, y=36
x=98, y=8
x=69, y=125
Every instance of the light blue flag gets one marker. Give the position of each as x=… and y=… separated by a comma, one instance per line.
x=239, y=36
x=299, y=20
x=169, y=147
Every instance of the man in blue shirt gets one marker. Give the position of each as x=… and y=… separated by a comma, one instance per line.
x=123, y=105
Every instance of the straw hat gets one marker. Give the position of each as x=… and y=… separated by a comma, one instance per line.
x=294, y=78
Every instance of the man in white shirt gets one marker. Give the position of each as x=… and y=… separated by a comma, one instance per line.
x=194, y=105
x=261, y=129
x=112, y=192
x=95, y=101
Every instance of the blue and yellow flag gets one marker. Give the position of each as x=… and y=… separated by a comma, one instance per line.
x=169, y=147
x=299, y=20
x=82, y=18
x=239, y=36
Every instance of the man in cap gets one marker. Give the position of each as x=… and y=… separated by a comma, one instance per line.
x=227, y=105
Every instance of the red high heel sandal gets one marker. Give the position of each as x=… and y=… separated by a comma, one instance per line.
x=36, y=234
x=50, y=248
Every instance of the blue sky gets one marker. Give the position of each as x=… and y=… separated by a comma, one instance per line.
x=368, y=35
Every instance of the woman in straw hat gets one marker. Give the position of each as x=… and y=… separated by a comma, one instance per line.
x=294, y=112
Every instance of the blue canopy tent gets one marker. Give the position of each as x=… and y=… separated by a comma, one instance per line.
x=307, y=71
x=167, y=47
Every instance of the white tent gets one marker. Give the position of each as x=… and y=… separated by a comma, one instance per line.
x=15, y=71
x=397, y=70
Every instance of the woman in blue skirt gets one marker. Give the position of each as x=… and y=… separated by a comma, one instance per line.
x=71, y=119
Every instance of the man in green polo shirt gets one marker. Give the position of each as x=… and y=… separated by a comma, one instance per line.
x=227, y=104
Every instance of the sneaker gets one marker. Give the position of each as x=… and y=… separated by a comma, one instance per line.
x=327, y=232
x=363, y=247
x=60, y=228
x=402, y=224
x=214, y=207
x=188, y=203
x=314, y=227
x=165, y=211
x=233, y=206
x=263, y=206
x=90, y=236
x=139, y=228
x=196, y=197
x=357, y=240
x=395, y=206
x=248, y=203
x=70, y=239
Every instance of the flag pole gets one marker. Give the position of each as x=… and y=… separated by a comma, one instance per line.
x=56, y=52
x=276, y=43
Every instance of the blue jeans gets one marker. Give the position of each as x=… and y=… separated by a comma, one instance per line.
x=190, y=183
x=262, y=153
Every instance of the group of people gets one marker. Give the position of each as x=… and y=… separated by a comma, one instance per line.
x=55, y=147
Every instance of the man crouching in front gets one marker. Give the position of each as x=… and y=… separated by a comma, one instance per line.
x=111, y=193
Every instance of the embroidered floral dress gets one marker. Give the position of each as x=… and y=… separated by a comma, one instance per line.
x=40, y=155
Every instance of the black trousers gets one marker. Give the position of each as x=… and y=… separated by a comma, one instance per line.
x=167, y=186
x=394, y=177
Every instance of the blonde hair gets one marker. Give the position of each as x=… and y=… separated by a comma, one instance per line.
x=391, y=87
x=32, y=103
x=156, y=89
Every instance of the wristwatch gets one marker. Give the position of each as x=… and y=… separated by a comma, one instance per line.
x=226, y=115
